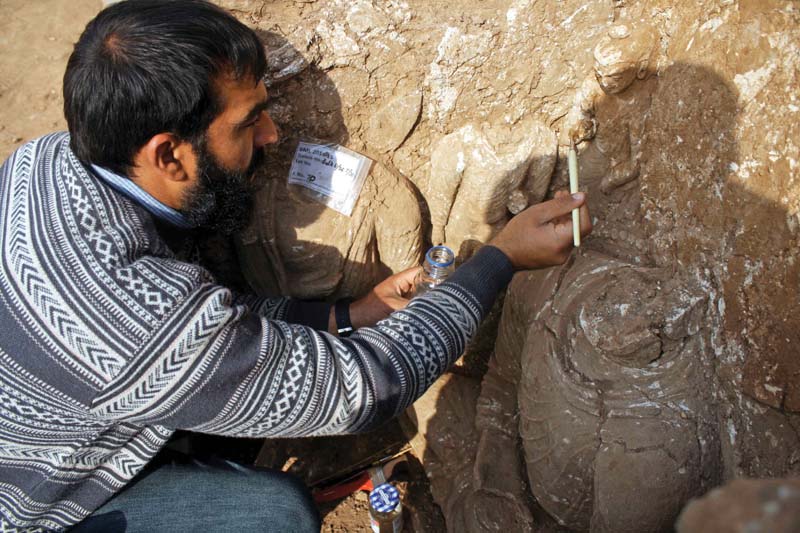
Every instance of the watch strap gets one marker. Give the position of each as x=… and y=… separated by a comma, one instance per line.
x=342, y=314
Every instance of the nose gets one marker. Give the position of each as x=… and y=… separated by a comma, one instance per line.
x=266, y=131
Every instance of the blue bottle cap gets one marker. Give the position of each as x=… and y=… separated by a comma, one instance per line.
x=384, y=498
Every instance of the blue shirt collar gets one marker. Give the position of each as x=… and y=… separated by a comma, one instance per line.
x=127, y=187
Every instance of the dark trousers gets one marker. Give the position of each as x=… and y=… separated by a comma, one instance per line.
x=189, y=495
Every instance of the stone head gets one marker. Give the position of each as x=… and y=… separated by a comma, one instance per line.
x=621, y=56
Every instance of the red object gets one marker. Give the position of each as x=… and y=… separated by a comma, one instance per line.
x=364, y=480
x=360, y=481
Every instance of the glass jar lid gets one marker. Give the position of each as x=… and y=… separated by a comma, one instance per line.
x=384, y=498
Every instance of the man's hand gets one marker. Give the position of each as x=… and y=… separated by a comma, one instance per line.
x=389, y=295
x=541, y=236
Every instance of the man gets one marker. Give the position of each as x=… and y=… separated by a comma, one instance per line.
x=113, y=337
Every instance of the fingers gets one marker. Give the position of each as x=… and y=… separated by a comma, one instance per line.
x=564, y=218
x=563, y=231
x=586, y=220
x=585, y=217
x=563, y=223
x=560, y=206
x=404, y=281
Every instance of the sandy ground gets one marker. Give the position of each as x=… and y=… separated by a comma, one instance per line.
x=36, y=38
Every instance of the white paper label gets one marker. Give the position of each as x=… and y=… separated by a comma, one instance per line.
x=332, y=171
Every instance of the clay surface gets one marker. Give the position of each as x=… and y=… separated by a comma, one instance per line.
x=662, y=360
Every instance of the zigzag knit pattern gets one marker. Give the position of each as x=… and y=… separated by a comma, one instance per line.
x=109, y=342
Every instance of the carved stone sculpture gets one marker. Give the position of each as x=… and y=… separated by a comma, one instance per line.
x=382, y=235
x=480, y=173
x=620, y=57
x=295, y=245
x=611, y=397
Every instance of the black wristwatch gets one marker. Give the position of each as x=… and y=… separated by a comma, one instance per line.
x=342, y=314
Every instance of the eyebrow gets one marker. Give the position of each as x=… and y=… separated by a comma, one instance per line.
x=254, y=112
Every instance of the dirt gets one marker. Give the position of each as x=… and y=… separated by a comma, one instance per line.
x=36, y=39
x=678, y=337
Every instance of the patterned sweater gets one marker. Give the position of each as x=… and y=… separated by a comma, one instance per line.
x=110, y=340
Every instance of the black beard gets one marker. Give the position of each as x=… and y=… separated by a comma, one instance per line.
x=222, y=200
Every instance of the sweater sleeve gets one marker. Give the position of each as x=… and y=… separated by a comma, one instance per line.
x=311, y=313
x=216, y=367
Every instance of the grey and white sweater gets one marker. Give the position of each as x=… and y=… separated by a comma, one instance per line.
x=110, y=341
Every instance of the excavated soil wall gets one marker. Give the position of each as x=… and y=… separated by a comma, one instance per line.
x=663, y=358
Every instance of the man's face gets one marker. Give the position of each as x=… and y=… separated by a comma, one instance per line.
x=228, y=157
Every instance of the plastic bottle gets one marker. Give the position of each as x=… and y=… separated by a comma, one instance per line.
x=385, y=509
x=438, y=265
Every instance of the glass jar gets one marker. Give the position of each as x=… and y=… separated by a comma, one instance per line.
x=385, y=509
x=438, y=265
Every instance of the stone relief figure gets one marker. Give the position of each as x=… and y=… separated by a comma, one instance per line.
x=596, y=390
x=597, y=369
x=601, y=359
x=382, y=235
x=606, y=373
x=323, y=254
x=480, y=173
x=622, y=56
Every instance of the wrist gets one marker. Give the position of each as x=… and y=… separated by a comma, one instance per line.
x=359, y=315
x=499, y=245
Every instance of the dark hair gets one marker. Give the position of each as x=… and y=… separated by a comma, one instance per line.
x=143, y=67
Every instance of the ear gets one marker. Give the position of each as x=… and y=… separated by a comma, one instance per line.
x=168, y=157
